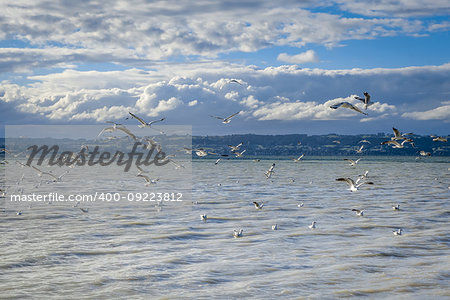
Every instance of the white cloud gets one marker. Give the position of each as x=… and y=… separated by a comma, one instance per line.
x=301, y=58
x=438, y=113
x=270, y=94
x=193, y=103
x=144, y=32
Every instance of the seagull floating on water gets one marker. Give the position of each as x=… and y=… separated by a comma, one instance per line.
x=398, y=231
x=358, y=212
x=396, y=207
x=353, y=186
x=349, y=106
x=237, y=233
x=275, y=227
x=313, y=225
x=203, y=217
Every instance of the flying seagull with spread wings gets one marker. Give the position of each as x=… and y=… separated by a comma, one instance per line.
x=365, y=100
x=143, y=123
x=227, y=119
x=347, y=105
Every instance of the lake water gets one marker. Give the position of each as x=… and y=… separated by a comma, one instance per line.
x=150, y=251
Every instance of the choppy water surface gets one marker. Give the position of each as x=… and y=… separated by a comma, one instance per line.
x=167, y=251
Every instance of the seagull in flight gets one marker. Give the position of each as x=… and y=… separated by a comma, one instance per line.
x=365, y=100
x=353, y=186
x=395, y=144
x=364, y=141
x=269, y=172
x=298, y=158
x=239, y=154
x=227, y=119
x=362, y=177
x=257, y=205
x=352, y=162
x=147, y=179
x=360, y=150
x=235, y=148
x=234, y=81
x=145, y=124
x=439, y=138
x=398, y=135
x=347, y=105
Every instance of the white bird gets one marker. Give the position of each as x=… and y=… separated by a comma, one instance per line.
x=147, y=179
x=365, y=100
x=347, y=105
x=360, y=150
x=237, y=233
x=275, y=227
x=146, y=124
x=423, y=153
x=235, y=148
x=19, y=213
x=398, y=231
x=358, y=212
x=203, y=217
x=362, y=177
x=352, y=162
x=398, y=135
x=257, y=205
x=364, y=141
x=269, y=172
x=55, y=179
x=217, y=161
x=300, y=205
x=239, y=154
x=298, y=158
x=439, y=138
x=396, y=207
x=227, y=119
x=395, y=144
x=313, y=225
x=353, y=186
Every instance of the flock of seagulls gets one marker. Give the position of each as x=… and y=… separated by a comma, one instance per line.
x=399, y=140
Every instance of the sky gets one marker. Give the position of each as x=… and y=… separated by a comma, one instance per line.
x=88, y=62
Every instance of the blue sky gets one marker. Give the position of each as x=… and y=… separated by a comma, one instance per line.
x=90, y=62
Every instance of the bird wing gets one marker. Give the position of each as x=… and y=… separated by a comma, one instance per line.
x=396, y=133
x=124, y=129
x=220, y=118
x=107, y=129
x=144, y=176
x=349, y=181
x=348, y=105
x=156, y=121
x=229, y=117
x=137, y=118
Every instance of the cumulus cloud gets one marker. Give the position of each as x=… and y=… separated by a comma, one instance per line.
x=438, y=113
x=301, y=58
x=190, y=94
x=144, y=32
